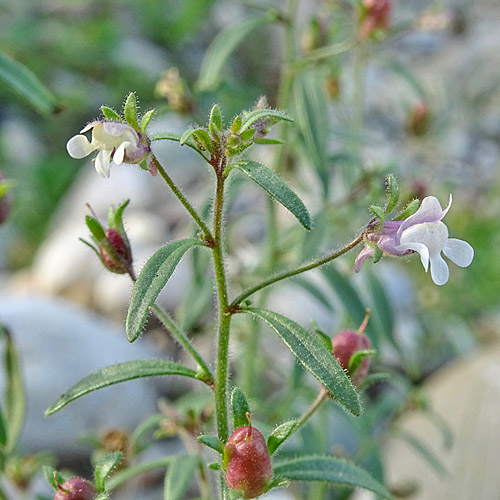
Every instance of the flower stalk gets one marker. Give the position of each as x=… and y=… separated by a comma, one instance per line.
x=294, y=272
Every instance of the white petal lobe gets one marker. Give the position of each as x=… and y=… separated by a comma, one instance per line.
x=459, y=252
x=79, y=147
x=120, y=153
x=420, y=248
x=439, y=270
x=102, y=162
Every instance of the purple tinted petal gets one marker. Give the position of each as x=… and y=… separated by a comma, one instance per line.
x=430, y=211
x=117, y=128
x=89, y=126
x=362, y=256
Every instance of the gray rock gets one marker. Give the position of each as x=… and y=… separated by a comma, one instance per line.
x=59, y=344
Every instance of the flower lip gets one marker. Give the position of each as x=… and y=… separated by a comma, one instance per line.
x=424, y=233
x=115, y=141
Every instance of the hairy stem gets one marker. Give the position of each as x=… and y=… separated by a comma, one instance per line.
x=323, y=394
x=206, y=232
x=179, y=335
x=224, y=320
x=294, y=272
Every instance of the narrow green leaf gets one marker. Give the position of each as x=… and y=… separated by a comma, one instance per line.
x=307, y=348
x=236, y=125
x=273, y=184
x=393, y=189
x=280, y=434
x=205, y=140
x=357, y=358
x=121, y=372
x=410, y=209
x=239, y=407
x=382, y=313
x=324, y=339
x=312, y=120
x=334, y=470
x=314, y=291
x=374, y=378
x=118, y=215
x=130, y=110
x=51, y=478
x=186, y=135
x=142, y=435
x=216, y=117
x=95, y=228
x=259, y=114
x=150, y=282
x=15, y=402
x=146, y=118
x=3, y=429
x=221, y=48
x=212, y=442
x=246, y=135
x=104, y=467
x=27, y=86
x=179, y=475
x=267, y=142
x=110, y=114
x=420, y=447
x=402, y=70
x=378, y=212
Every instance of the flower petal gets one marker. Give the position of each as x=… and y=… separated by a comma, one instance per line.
x=459, y=252
x=420, y=248
x=79, y=147
x=439, y=270
x=120, y=153
x=102, y=162
x=430, y=211
x=362, y=256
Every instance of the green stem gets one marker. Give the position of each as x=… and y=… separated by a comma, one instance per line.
x=224, y=317
x=323, y=394
x=206, y=232
x=224, y=321
x=294, y=272
x=181, y=337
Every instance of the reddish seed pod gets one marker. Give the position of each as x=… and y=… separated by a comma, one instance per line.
x=248, y=462
x=75, y=488
x=120, y=262
x=344, y=345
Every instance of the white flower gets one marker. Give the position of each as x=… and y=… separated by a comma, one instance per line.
x=115, y=141
x=424, y=233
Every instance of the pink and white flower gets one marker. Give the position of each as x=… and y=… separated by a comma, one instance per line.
x=424, y=233
x=114, y=141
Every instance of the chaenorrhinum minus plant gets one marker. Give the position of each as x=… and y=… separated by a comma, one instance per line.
x=247, y=461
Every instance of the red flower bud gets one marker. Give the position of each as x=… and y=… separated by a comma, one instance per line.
x=75, y=488
x=248, y=462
